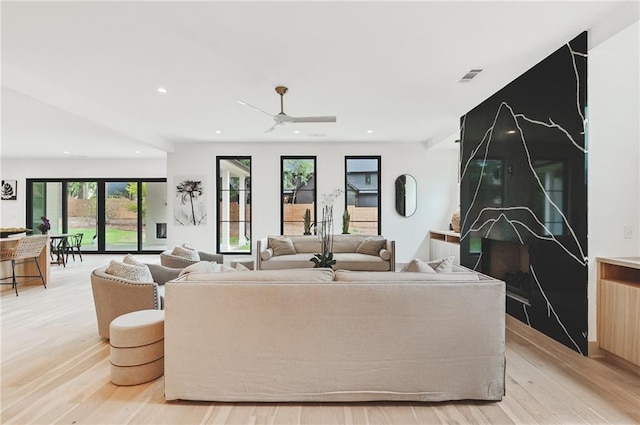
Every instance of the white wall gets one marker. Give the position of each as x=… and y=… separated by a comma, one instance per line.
x=434, y=170
x=614, y=153
x=13, y=213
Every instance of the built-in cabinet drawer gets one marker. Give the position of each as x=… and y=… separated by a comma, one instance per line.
x=444, y=244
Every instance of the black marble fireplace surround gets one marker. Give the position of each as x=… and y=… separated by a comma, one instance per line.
x=523, y=180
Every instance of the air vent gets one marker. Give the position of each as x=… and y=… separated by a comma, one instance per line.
x=470, y=75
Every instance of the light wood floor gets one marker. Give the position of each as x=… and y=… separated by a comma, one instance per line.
x=55, y=369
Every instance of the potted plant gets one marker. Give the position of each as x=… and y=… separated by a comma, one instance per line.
x=307, y=221
x=324, y=227
x=45, y=226
x=345, y=221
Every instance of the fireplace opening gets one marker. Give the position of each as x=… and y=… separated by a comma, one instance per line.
x=161, y=230
x=508, y=261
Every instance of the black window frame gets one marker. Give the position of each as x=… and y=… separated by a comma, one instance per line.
x=283, y=158
x=378, y=158
x=218, y=198
x=100, y=205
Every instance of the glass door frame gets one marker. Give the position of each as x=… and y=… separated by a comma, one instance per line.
x=100, y=207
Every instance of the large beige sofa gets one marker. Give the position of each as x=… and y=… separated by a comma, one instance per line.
x=314, y=335
x=345, y=253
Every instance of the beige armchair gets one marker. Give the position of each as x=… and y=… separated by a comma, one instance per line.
x=174, y=261
x=114, y=296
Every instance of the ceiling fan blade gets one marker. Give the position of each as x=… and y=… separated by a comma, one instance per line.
x=329, y=118
x=270, y=129
x=254, y=107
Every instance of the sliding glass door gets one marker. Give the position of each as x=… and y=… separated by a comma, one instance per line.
x=82, y=212
x=112, y=215
x=121, y=216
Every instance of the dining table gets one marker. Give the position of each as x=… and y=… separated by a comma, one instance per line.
x=59, y=243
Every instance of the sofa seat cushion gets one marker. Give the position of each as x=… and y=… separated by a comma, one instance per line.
x=394, y=277
x=344, y=260
x=355, y=261
x=294, y=261
x=293, y=276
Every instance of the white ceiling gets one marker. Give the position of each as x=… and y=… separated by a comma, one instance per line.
x=81, y=77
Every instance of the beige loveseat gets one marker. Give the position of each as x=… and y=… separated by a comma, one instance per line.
x=345, y=252
x=314, y=335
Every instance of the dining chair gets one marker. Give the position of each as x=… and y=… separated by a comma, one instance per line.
x=59, y=249
x=27, y=250
x=74, y=243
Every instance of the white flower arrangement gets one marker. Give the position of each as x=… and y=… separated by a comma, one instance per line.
x=325, y=258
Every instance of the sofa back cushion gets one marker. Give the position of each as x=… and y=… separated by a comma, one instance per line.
x=281, y=245
x=347, y=243
x=393, y=277
x=306, y=243
x=284, y=276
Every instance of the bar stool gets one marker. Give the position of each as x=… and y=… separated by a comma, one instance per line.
x=27, y=249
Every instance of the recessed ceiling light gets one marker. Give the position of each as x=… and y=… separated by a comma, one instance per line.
x=369, y=131
x=161, y=90
x=218, y=132
x=66, y=152
x=511, y=132
x=136, y=151
x=296, y=131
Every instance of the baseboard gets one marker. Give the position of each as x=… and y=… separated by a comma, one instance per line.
x=594, y=349
x=619, y=361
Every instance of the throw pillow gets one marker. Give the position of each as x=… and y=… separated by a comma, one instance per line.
x=129, y=272
x=189, y=254
x=206, y=267
x=385, y=254
x=187, y=245
x=130, y=259
x=241, y=268
x=266, y=254
x=199, y=267
x=419, y=266
x=443, y=265
x=281, y=246
x=371, y=246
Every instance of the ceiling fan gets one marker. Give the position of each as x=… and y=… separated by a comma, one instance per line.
x=281, y=118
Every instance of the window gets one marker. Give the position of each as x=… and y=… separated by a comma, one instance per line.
x=298, y=189
x=110, y=214
x=234, y=204
x=362, y=192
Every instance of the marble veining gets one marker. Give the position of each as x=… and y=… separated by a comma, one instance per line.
x=534, y=192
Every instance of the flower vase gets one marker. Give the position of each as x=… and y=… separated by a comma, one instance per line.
x=455, y=221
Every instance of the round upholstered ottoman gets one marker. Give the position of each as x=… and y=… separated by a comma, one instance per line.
x=137, y=347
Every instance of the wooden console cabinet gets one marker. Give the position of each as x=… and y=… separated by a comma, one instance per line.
x=619, y=307
x=444, y=243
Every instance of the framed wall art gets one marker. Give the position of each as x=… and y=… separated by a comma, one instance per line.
x=9, y=190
